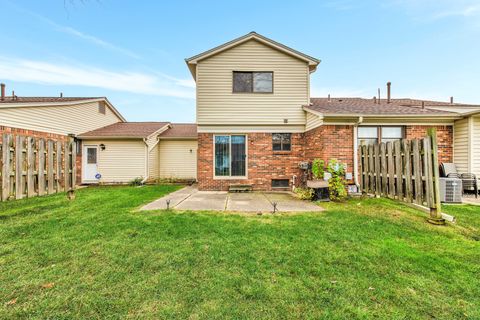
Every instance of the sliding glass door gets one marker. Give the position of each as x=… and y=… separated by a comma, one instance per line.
x=230, y=156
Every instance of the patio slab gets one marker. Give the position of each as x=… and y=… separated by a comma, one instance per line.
x=252, y=202
x=204, y=200
x=174, y=197
x=189, y=198
x=287, y=203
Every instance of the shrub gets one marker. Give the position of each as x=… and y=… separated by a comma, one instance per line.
x=305, y=193
x=318, y=169
x=336, y=184
x=136, y=182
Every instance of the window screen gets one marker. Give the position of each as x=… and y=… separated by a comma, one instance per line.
x=390, y=134
x=257, y=82
x=281, y=141
x=367, y=135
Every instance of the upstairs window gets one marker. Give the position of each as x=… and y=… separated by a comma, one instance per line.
x=252, y=82
x=282, y=141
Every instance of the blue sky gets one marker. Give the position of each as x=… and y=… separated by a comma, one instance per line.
x=133, y=51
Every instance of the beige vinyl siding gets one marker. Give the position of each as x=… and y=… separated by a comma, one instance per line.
x=176, y=160
x=76, y=119
x=153, y=158
x=217, y=104
x=313, y=121
x=121, y=161
x=461, y=144
x=475, y=156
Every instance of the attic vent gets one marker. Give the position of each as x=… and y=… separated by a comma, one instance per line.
x=101, y=107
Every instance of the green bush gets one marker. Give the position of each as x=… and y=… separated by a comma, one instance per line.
x=136, y=182
x=337, y=185
x=318, y=169
x=305, y=193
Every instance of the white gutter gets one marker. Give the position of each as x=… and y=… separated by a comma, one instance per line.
x=355, y=151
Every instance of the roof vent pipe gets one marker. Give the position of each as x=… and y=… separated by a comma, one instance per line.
x=2, y=94
x=423, y=104
x=379, y=96
x=451, y=100
x=61, y=94
x=389, y=87
x=374, y=100
x=329, y=100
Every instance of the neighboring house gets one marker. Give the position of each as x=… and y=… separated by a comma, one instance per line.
x=109, y=149
x=55, y=118
x=121, y=152
x=256, y=119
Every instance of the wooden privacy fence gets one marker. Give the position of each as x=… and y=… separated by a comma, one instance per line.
x=406, y=170
x=35, y=167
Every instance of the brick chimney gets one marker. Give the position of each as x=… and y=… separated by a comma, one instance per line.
x=2, y=94
x=389, y=93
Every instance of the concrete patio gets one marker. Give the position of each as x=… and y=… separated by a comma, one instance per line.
x=189, y=198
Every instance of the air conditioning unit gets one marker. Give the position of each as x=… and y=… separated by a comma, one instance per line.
x=451, y=190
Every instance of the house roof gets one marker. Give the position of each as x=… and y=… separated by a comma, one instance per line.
x=18, y=102
x=361, y=106
x=129, y=130
x=180, y=131
x=192, y=61
x=16, y=99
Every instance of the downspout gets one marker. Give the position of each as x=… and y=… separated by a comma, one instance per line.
x=146, y=161
x=355, y=151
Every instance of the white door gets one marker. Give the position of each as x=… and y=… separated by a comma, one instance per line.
x=90, y=163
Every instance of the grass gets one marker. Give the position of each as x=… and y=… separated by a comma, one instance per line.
x=97, y=257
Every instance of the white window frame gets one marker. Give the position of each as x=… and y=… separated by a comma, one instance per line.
x=379, y=129
x=230, y=177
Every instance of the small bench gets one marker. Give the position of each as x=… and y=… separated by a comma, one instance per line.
x=240, y=188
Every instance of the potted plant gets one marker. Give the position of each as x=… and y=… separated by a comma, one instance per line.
x=318, y=175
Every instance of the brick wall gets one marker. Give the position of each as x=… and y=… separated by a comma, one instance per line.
x=263, y=163
x=444, y=139
x=330, y=142
x=46, y=136
x=324, y=142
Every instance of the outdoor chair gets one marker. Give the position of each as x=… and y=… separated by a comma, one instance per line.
x=469, y=180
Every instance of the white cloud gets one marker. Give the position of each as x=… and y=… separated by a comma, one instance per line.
x=78, y=75
x=76, y=33
x=439, y=9
x=467, y=11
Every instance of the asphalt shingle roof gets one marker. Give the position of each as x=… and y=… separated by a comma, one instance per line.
x=126, y=129
x=181, y=130
x=361, y=106
x=10, y=99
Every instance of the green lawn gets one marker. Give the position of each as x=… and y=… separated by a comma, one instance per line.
x=96, y=257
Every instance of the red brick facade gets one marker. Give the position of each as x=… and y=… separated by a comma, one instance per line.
x=46, y=136
x=444, y=139
x=330, y=142
x=263, y=163
x=324, y=142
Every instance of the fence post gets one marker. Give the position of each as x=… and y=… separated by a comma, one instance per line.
x=30, y=167
x=41, y=167
x=19, y=148
x=6, y=167
x=436, y=209
x=50, y=168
